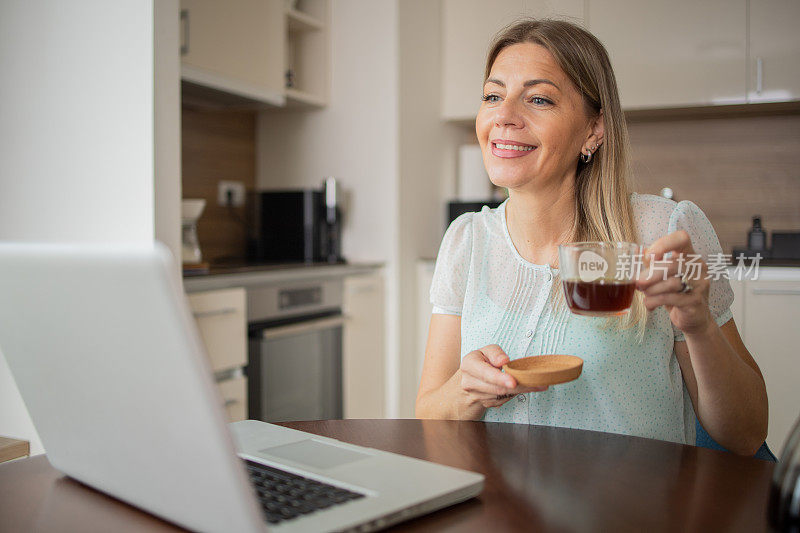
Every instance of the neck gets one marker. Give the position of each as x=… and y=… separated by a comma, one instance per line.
x=539, y=220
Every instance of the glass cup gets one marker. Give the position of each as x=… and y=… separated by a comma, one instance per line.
x=599, y=278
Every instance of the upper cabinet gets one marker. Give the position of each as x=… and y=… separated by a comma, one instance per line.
x=236, y=46
x=261, y=51
x=774, y=62
x=467, y=30
x=674, y=54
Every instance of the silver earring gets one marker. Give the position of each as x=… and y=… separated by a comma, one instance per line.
x=586, y=157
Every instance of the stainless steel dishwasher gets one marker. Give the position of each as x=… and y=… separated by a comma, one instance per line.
x=294, y=365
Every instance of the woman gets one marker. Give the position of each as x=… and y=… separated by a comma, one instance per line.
x=553, y=133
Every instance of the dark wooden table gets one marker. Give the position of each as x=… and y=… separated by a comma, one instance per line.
x=537, y=479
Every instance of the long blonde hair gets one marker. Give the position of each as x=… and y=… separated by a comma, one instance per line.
x=603, y=210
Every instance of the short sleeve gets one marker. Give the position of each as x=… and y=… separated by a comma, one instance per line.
x=452, y=267
x=690, y=218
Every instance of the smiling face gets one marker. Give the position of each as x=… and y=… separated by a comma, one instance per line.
x=532, y=124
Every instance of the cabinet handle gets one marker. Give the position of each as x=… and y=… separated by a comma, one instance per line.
x=185, y=24
x=216, y=312
x=759, y=75
x=230, y=402
x=782, y=292
x=304, y=327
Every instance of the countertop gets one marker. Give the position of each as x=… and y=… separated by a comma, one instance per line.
x=223, y=276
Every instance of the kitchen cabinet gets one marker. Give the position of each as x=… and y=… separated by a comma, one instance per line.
x=674, y=54
x=468, y=27
x=236, y=46
x=771, y=310
x=363, y=361
x=222, y=323
x=251, y=52
x=773, y=66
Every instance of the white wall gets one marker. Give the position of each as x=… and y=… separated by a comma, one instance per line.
x=167, y=125
x=355, y=139
x=77, y=134
x=428, y=152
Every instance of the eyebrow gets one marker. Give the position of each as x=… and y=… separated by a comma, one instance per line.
x=528, y=83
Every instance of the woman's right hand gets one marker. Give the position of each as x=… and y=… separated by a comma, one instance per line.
x=484, y=383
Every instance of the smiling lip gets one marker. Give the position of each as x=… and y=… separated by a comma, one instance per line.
x=511, y=148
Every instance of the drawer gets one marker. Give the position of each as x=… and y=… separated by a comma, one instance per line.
x=234, y=398
x=221, y=319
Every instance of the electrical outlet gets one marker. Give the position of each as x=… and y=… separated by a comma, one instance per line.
x=233, y=188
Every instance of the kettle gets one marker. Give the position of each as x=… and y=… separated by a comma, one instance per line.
x=784, y=499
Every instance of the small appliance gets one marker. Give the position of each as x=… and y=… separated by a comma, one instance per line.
x=300, y=225
x=191, y=209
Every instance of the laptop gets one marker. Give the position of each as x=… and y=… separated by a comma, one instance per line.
x=107, y=357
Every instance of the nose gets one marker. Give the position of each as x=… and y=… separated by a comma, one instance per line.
x=507, y=114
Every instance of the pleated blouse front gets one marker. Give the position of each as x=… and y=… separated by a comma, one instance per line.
x=626, y=387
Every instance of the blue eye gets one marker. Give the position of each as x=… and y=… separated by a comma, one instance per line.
x=538, y=100
x=490, y=98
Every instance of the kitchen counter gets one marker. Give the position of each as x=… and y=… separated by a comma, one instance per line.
x=225, y=276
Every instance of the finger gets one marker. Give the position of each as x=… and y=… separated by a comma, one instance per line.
x=672, y=284
x=495, y=402
x=478, y=386
x=478, y=367
x=495, y=355
x=655, y=273
x=669, y=299
x=677, y=241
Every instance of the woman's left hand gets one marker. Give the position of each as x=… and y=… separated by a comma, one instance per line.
x=678, y=283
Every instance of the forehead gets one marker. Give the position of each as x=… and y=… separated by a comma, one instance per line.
x=528, y=61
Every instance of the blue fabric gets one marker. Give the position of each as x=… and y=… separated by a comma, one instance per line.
x=704, y=440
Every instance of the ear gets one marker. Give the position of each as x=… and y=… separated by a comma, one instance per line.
x=597, y=132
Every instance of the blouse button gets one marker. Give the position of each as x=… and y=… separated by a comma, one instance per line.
x=520, y=398
x=549, y=276
x=529, y=333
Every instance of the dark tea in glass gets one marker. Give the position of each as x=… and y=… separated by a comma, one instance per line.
x=599, y=297
x=599, y=277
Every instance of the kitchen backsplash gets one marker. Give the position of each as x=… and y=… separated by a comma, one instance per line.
x=732, y=167
x=218, y=145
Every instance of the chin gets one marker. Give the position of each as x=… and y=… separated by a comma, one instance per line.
x=508, y=180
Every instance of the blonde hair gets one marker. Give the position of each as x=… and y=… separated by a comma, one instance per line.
x=603, y=210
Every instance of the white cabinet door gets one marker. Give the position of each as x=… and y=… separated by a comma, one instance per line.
x=674, y=54
x=221, y=317
x=771, y=313
x=363, y=361
x=235, y=45
x=774, y=62
x=468, y=27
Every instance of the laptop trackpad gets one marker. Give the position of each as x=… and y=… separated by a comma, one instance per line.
x=313, y=454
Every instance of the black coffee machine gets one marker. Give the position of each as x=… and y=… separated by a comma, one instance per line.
x=291, y=226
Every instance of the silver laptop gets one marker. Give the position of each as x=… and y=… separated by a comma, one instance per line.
x=110, y=364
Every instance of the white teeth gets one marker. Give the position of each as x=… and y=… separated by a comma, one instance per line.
x=514, y=147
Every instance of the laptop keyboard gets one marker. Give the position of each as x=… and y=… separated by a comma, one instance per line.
x=284, y=496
